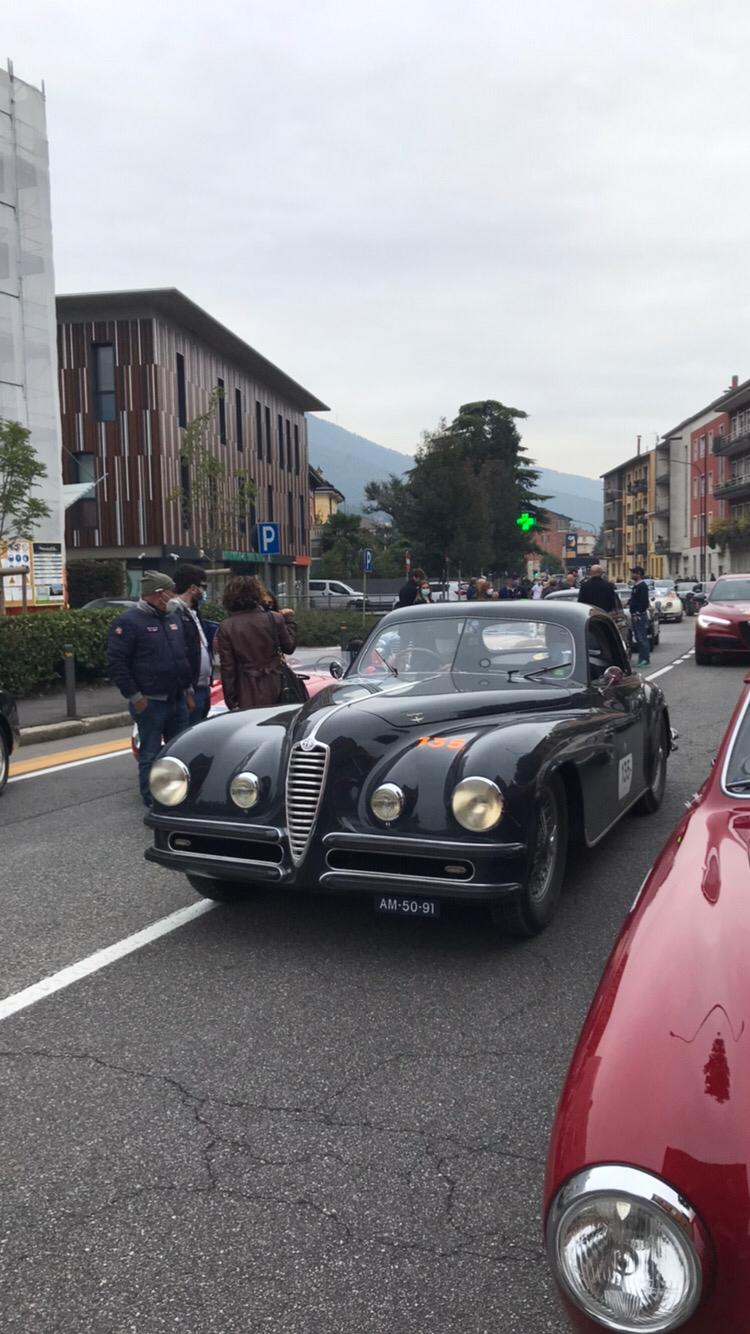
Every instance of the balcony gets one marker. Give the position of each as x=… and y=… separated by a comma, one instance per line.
x=641, y=549
x=638, y=488
x=661, y=545
x=737, y=442
x=735, y=486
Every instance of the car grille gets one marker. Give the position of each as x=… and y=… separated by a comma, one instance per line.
x=744, y=629
x=304, y=790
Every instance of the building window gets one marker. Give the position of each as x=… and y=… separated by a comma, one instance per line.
x=222, y=412
x=269, y=504
x=185, y=493
x=290, y=499
x=103, y=373
x=259, y=430
x=280, y=428
x=269, y=442
x=85, y=512
x=302, y=524
x=296, y=449
x=288, y=444
x=238, y=418
x=181, y=395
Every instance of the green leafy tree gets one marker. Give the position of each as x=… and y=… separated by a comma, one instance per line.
x=340, y=543
x=551, y=564
x=469, y=483
x=21, y=471
x=89, y=579
x=217, y=500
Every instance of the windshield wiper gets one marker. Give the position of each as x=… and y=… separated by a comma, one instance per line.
x=542, y=671
x=740, y=785
x=392, y=670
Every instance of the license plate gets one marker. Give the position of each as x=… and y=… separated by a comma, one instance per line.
x=406, y=906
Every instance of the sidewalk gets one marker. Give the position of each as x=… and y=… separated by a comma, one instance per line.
x=101, y=706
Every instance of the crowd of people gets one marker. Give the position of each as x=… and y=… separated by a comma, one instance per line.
x=161, y=654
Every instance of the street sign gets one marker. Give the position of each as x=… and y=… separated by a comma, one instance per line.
x=571, y=545
x=366, y=560
x=268, y=539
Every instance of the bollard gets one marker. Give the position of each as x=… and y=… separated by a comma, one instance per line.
x=69, y=663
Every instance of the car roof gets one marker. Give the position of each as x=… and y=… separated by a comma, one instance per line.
x=574, y=614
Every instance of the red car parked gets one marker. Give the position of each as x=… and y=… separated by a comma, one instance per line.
x=723, y=624
x=647, y=1195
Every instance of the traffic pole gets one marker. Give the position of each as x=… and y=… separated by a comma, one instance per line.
x=69, y=664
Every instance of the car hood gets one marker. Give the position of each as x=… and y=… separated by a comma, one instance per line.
x=739, y=610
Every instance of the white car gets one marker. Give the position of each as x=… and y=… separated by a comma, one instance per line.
x=668, y=603
x=333, y=594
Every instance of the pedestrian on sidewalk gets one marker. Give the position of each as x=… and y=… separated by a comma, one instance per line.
x=639, y=606
x=251, y=642
x=409, y=593
x=148, y=662
x=190, y=584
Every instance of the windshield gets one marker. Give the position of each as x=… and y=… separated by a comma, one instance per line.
x=663, y=590
x=731, y=590
x=503, y=650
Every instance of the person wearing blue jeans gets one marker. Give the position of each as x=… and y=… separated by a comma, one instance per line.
x=639, y=607
x=148, y=662
x=190, y=588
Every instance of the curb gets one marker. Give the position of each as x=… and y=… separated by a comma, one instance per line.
x=103, y=722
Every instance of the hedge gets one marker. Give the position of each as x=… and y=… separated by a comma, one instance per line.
x=31, y=646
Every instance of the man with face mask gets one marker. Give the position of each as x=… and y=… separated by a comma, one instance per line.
x=190, y=589
x=147, y=660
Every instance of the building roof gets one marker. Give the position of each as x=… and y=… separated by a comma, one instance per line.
x=319, y=483
x=174, y=306
x=629, y=463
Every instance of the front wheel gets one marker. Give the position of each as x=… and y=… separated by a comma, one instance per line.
x=221, y=891
x=531, y=908
x=702, y=659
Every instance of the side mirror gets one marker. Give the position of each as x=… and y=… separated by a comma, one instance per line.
x=613, y=676
x=336, y=670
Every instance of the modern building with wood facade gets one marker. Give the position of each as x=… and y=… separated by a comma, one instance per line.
x=135, y=368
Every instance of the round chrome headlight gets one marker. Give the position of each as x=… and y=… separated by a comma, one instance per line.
x=477, y=804
x=626, y=1248
x=244, y=790
x=169, y=781
x=387, y=802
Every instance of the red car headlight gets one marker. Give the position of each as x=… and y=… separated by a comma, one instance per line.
x=705, y=620
x=627, y=1249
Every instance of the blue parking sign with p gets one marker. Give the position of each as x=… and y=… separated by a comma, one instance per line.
x=268, y=539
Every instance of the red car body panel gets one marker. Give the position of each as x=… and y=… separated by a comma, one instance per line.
x=660, y=1078
x=733, y=638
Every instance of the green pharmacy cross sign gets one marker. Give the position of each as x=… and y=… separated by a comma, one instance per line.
x=526, y=522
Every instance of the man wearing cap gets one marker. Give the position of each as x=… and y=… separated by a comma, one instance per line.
x=638, y=606
x=148, y=662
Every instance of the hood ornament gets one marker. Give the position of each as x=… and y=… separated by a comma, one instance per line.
x=308, y=743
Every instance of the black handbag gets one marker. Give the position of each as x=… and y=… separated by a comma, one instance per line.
x=293, y=688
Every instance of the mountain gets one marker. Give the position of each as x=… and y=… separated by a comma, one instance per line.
x=349, y=461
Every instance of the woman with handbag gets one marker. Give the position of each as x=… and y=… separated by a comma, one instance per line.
x=251, y=644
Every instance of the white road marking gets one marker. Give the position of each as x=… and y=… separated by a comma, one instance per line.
x=85, y=967
x=671, y=666
x=72, y=764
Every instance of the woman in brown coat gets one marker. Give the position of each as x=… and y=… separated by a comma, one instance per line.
x=249, y=642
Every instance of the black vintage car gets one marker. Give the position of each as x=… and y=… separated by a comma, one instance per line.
x=462, y=750
x=8, y=734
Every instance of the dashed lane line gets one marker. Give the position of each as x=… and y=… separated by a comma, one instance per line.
x=670, y=665
x=21, y=1000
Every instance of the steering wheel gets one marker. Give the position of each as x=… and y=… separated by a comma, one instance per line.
x=411, y=652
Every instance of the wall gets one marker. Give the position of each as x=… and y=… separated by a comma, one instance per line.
x=28, y=382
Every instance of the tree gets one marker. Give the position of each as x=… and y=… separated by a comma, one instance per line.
x=469, y=484
x=551, y=564
x=21, y=470
x=219, y=500
x=340, y=541
x=89, y=579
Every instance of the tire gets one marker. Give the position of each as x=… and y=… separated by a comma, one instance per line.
x=4, y=759
x=531, y=908
x=678, y=620
x=702, y=659
x=654, y=796
x=221, y=891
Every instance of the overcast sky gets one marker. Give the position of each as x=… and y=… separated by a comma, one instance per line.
x=412, y=204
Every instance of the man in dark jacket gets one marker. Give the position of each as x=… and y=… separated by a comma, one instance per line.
x=148, y=662
x=596, y=591
x=409, y=593
x=190, y=588
x=639, y=605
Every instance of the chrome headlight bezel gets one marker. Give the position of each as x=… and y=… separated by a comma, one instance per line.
x=172, y=771
x=388, y=792
x=618, y=1184
x=247, y=785
x=477, y=804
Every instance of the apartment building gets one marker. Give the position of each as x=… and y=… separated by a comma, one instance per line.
x=731, y=448
x=135, y=367
x=629, y=517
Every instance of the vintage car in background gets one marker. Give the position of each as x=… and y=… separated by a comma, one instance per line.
x=692, y=595
x=647, y=1197
x=722, y=626
x=667, y=602
x=315, y=679
x=8, y=733
x=461, y=751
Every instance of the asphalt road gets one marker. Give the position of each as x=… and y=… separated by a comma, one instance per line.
x=296, y=1117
